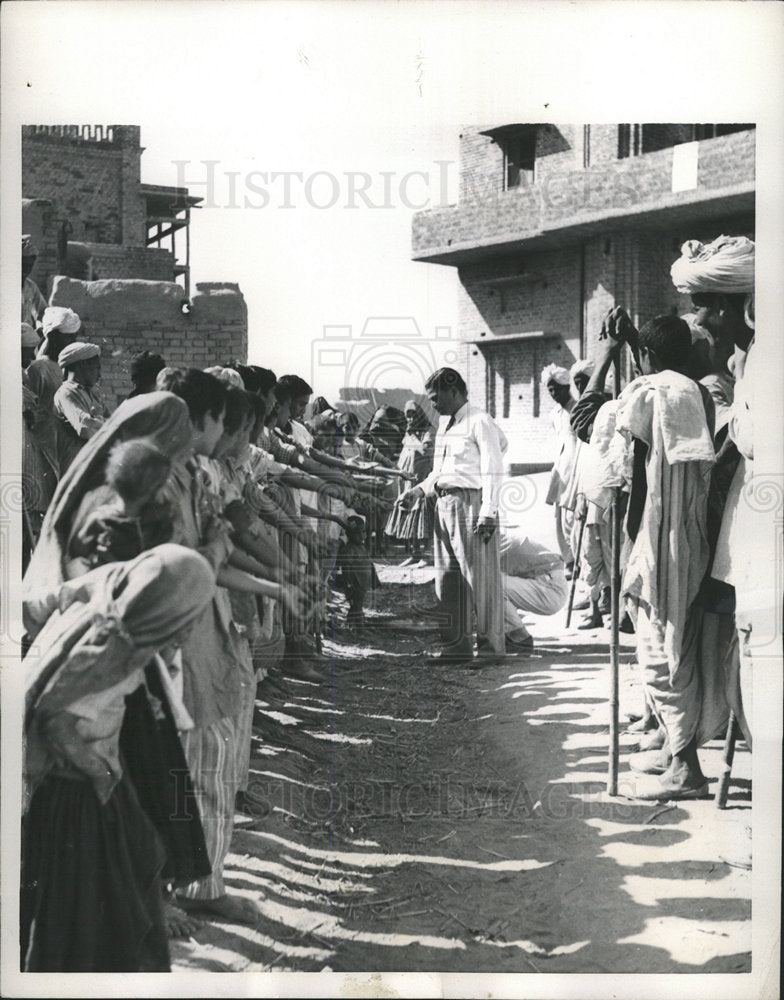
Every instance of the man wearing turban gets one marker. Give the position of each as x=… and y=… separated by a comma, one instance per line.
x=719, y=277
x=33, y=302
x=558, y=384
x=78, y=404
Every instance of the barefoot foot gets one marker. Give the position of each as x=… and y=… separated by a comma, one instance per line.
x=233, y=909
x=178, y=923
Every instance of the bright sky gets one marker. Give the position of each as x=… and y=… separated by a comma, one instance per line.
x=328, y=89
x=323, y=90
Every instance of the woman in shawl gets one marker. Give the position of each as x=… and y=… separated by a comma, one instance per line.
x=44, y=377
x=91, y=860
x=162, y=419
x=414, y=525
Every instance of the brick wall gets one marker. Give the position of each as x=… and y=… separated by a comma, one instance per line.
x=602, y=258
x=481, y=166
x=603, y=143
x=94, y=184
x=38, y=221
x=566, y=195
x=108, y=261
x=87, y=261
x=128, y=316
x=556, y=149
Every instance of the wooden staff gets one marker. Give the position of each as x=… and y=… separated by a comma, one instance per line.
x=615, y=596
x=726, y=763
x=576, y=567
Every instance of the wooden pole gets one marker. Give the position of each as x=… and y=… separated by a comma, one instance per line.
x=726, y=763
x=615, y=595
x=575, y=569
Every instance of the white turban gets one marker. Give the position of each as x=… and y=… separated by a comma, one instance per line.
x=554, y=373
x=60, y=318
x=726, y=265
x=76, y=352
x=584, y=367
x=29, y=336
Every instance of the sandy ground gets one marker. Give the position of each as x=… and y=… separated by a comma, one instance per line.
x=453, y=819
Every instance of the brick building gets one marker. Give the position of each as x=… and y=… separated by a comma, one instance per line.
x=117, y=251
x=554, y=225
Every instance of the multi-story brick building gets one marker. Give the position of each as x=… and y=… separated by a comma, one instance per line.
x=90, y=214
x=117, y=251
x=554, y=225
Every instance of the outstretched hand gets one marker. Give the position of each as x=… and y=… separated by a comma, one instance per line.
x=617, y=329
x=409, y=497
x=485, y=528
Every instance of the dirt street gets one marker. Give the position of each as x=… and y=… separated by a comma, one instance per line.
x=452, y=819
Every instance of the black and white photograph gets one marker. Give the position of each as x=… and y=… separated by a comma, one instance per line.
x=392, y=501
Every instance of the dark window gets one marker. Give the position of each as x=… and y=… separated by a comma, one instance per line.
x=629, y=141
x=634, y=140
x=519, y=158
x=713, y=131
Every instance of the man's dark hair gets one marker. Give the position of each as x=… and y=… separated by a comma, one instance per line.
x=669, y=337
x=259, y=410
x=247, y=374
x=266, y=378
x=56, y=340
x=298, y=386
x=284, y=392
x=202, y=393
x=447, y=378
x=237, y=409
x=145, y=367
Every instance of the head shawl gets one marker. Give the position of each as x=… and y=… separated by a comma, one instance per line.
x=420, y=421
x=554, y=373
x=29, y=249
x=162, y=418
x=583, y=367
x=110, y=621
x=346, y=418
x=316, y=406
x=726, y=265
x=29, y=336
x=76, y=352
x=60, y=318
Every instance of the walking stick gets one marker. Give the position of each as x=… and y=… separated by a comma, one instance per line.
x=577, y=566
x=615, y=596
x=726, y=763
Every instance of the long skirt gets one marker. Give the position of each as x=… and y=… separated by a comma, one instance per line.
x=90, y=890
x=155, y=763
x=412, y=525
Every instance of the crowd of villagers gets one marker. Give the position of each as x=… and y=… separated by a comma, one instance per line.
x=181, y=550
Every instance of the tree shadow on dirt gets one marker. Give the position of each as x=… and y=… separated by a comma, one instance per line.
x=457, y=820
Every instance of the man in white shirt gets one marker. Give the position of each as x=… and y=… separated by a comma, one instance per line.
x=466, y=479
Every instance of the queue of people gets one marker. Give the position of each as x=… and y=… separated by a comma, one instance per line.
x=183, y=549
